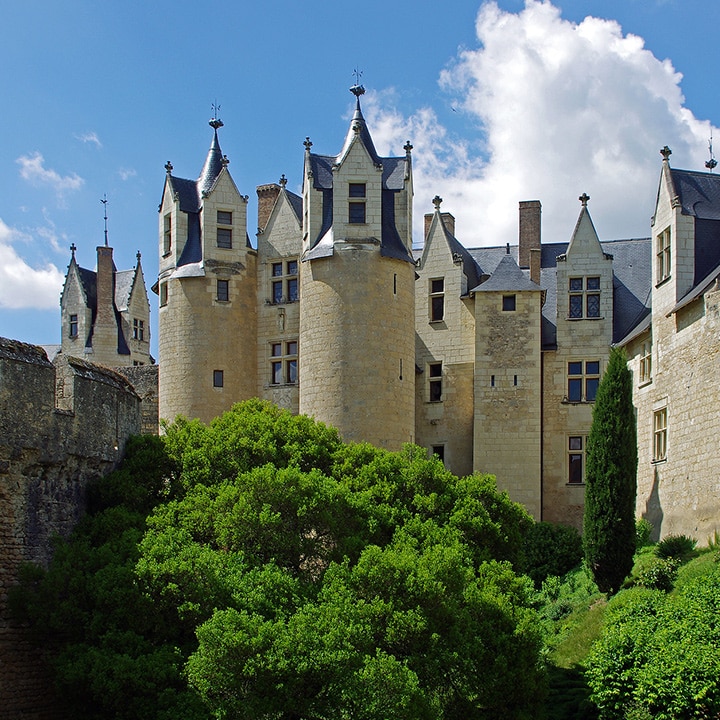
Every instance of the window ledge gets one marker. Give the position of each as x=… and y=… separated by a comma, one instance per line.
x=565, y=401
x=658, y=462
x=280, y=385
x=645, y=383
x=663, y=281
x=574, y=319
x=572, y=484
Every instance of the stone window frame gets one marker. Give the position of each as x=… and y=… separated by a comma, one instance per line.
x=224, y=231
x=576, y=455
x=163, y=294
x=167, y=234
x=218, y=378
x=283, y=362
x=138, y=329
x=660, y=434
x=509, y=303
x=357, y=210
x=436, y=299
x=435, y=381
x=74, y=326
x=222, y=291
x=645, y=365
x=585, y=375
x=284, y=285
x=584, y=297
x=663, y=255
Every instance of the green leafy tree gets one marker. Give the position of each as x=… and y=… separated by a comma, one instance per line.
x=268, y=571
x=611, y=478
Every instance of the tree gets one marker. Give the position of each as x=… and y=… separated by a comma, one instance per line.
x=611, y=478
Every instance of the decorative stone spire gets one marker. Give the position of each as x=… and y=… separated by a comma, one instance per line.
x=437, y=201
x=73, y=248
x=138, y=255
x=407, y=147
x=666, y=152
x=283, y=180
x=584, y=199
x=215, y=161
x=307, y=144
x=168, y=167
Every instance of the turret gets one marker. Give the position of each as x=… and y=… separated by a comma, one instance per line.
x=357, y=274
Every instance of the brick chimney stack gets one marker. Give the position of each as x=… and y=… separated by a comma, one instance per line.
x=105, y=287
x=448, y=220
x=530, y=211
x=267, y=195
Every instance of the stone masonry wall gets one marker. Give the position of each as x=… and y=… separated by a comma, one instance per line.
x=60, y=427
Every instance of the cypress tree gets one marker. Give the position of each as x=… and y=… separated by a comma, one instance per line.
x=611, y=478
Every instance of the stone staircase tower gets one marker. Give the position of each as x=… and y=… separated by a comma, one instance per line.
x=357, y=276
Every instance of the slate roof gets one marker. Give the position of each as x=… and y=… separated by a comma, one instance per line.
x=213, y=165
x=296, y=203
x=632, y=266
x=698, y=192
x=123, y=287
x=507, y=277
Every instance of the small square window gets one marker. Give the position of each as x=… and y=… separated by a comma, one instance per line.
x=291, y=267
x=223, y=290
x=583, y=381
x=224, y=217
x=218, y=378
x=224, y=238
x=508, y=303
x=356, y=190
x=593, y=283
x=277, y=269
x=283, y=366
x=576, y=284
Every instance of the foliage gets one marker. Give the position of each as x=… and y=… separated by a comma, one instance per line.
x=609, y=522
x=643, y=531
x=658, y=656
x=260, y=568
x=675, y=546
x=660, y=575
x=551, y=549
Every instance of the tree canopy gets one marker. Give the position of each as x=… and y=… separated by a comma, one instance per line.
x=267, y=570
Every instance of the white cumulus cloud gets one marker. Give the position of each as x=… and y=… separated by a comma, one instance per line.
x=21, y=285
x=32, y=169
x=561, y=108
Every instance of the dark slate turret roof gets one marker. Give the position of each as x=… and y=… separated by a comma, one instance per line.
x=213, y=166
x=358, y=121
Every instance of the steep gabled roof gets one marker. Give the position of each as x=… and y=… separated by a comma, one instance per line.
x=507, y=277
x=698, y=192
x=124, y=280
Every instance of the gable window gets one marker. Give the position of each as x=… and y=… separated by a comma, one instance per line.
x=508, y=303
x=73, y=326
x=584, y=300
x=583, y=380
x=283, y=363
x=138, y=329
x=660, y=435
x=223, y=290
x=437, y=299
x=663, y=255
x=218, y=378
x=356, y=206
x=576, y=459
x=224, y=230
x=435, y=382
x=284, y=283
x=646, y=362
x=167, y=234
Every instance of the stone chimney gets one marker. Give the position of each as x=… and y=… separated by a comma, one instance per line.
x=105, y=287
x=267, y=195
x=535, y=257
x=529, y=236
x=448, y=220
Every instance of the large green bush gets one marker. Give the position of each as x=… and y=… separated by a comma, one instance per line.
x=551, y=549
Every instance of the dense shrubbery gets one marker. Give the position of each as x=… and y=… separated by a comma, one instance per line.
x=675, y=547
x=551, y=550
x=260, y=568
x=658, y=654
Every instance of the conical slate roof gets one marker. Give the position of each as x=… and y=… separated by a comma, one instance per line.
x=213, y=162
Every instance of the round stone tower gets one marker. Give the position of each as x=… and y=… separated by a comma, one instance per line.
x=357, y=298
x=208, y=307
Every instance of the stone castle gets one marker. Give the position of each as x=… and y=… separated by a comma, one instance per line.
x=488, y=357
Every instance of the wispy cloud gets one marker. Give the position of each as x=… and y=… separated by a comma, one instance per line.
x=89, y=137
x=21, y=285
x=127, y=173
x=561, y=108
x=32, y=169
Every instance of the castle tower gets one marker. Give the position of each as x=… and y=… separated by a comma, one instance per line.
x=357, y=276
x=208, y=308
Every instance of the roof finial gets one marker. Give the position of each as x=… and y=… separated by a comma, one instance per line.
x=357, y=89
x=72, y=250
x=307, y=144
x=215, y=121
x=437, y=201
x=407, y=147
x=168, y=167
x=104, y=201
x=711, y=164
x=584, y=199
x=283, y=180
x=666, y=152
x=138, y=255
x=507, y=248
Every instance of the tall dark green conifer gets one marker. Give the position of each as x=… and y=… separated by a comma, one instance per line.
x=611, y=478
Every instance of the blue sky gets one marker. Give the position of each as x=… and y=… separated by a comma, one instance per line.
x=502, y=101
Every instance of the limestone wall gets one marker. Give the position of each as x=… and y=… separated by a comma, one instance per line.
x=60, y=426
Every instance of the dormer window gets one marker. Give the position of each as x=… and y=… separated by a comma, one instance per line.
x=584, y=299
x=356, y=206
x=224, y=229
x=663, y=255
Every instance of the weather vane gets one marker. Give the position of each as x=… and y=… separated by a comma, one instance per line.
x=711, y=164
x=215, y=121
x=357, y=89
x=104, y=201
